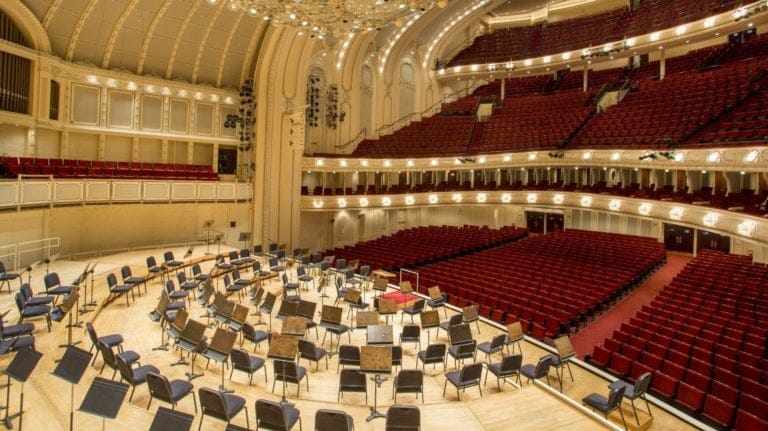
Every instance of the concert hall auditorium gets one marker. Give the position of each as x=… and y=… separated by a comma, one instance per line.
x=384, y=215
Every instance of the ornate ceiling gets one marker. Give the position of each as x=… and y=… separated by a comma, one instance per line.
x=189, y=40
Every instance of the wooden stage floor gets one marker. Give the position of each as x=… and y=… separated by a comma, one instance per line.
x=47, y=398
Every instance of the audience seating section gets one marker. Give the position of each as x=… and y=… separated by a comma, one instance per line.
x=704, y=336
x=63, y=168
x=422, y=245
x=549, y=283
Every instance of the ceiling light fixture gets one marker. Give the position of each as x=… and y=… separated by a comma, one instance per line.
x=333, y=18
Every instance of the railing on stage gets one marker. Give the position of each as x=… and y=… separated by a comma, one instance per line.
x=402, y=270
x=22, y=254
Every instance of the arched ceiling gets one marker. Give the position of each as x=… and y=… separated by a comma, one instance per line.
x=189, y=40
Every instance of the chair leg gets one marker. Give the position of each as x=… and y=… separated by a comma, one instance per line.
x=133, y=388
x=445, y=385
x=647, y=405
x=621, y=412
x=194, y=400
x=201, y=420
x=247, y=421
x=150, y=401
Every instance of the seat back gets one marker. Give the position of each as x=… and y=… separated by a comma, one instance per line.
x=409, y=379
x=257, y=249
x=151, y=262
x=614, y=398
x=168, y=256
x=411, y=332
x=159, y=387
x=233, y=255
x=125, y=271
x=273, y=261
x=641, y=384
x=332, y=420
x=51, y=280
x=240, y=358
x=27, y=291
x=435, y=352
x=542, y=368
x=196, y=269
x=497, y=342
x=286, y=370
x=126, y=372
x=112, y=280
x=271, y=415
x=213, y=404
x=2, y=267
x=471, y=372
x=19, y=301
x=182, y=277
x=403, y=418
x=349, y=353
x=341, y=263
x=456, y=319
x=169, y=286
x=306, y=349
x=108, y=355
x=511, y=363
x=365, y=271
x=300, y=271
x=92, y=333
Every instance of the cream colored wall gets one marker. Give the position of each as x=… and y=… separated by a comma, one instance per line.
x=98, y=228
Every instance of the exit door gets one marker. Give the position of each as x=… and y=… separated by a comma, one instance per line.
x=678, y=238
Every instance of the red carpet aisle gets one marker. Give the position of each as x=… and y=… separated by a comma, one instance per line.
x=604, y=326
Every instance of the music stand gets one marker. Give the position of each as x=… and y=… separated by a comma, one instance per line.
x=158, y=315
x=380, y=284
x=171, y=420
x=283, y=348
x=294, y=325
x=376, y=360
x=189, y=340
x=405, y=288
x=19, y=369
x=71, y=368
x=82, y=278
x=364, y=319
x=429, y=319
x=104, y=399
x=245, y=238
x=221, y=346
x=28, y=270
x=48, y=261
x=207, y=225
x=266, y=307
x=218, y=238
x=330, y=319
x=188, y=255
x=460, y=334
x=387, y=307
x=62, y=310
x=470, y=314
x=91, y=270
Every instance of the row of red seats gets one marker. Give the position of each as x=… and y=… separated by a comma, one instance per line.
x=64, y=168
x=668, y=110
x=580, y=272
x=704, y=338
x=583, y=32
x=418, y=246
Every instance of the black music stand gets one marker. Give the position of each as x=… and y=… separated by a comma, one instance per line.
x=429, y=319
x=376, y=360
x=189, y=340
x=71, y=368
x=171, y=420
x=92, y=302
x=207, y=225
x=28, y=270
x=245, y=238
x=221, y=346
x=283, y=348
x=64, y=309
x=19, y=369
x=188, y=255
x=82, y=278
x=49, y=260
x=104, y=399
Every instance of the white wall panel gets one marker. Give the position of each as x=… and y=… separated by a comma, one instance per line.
x=206, y=191
x=179, y=116
x=69, y=191
x=157, y=191
x=151, y=112
x=126, y=190
x=183, y=191
x=204, y=119
x=97, y=191
x=120, y=109
x=86, y=100
x=226, y=191
x=83, y=146
x=35, y=192
x=8, y=194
